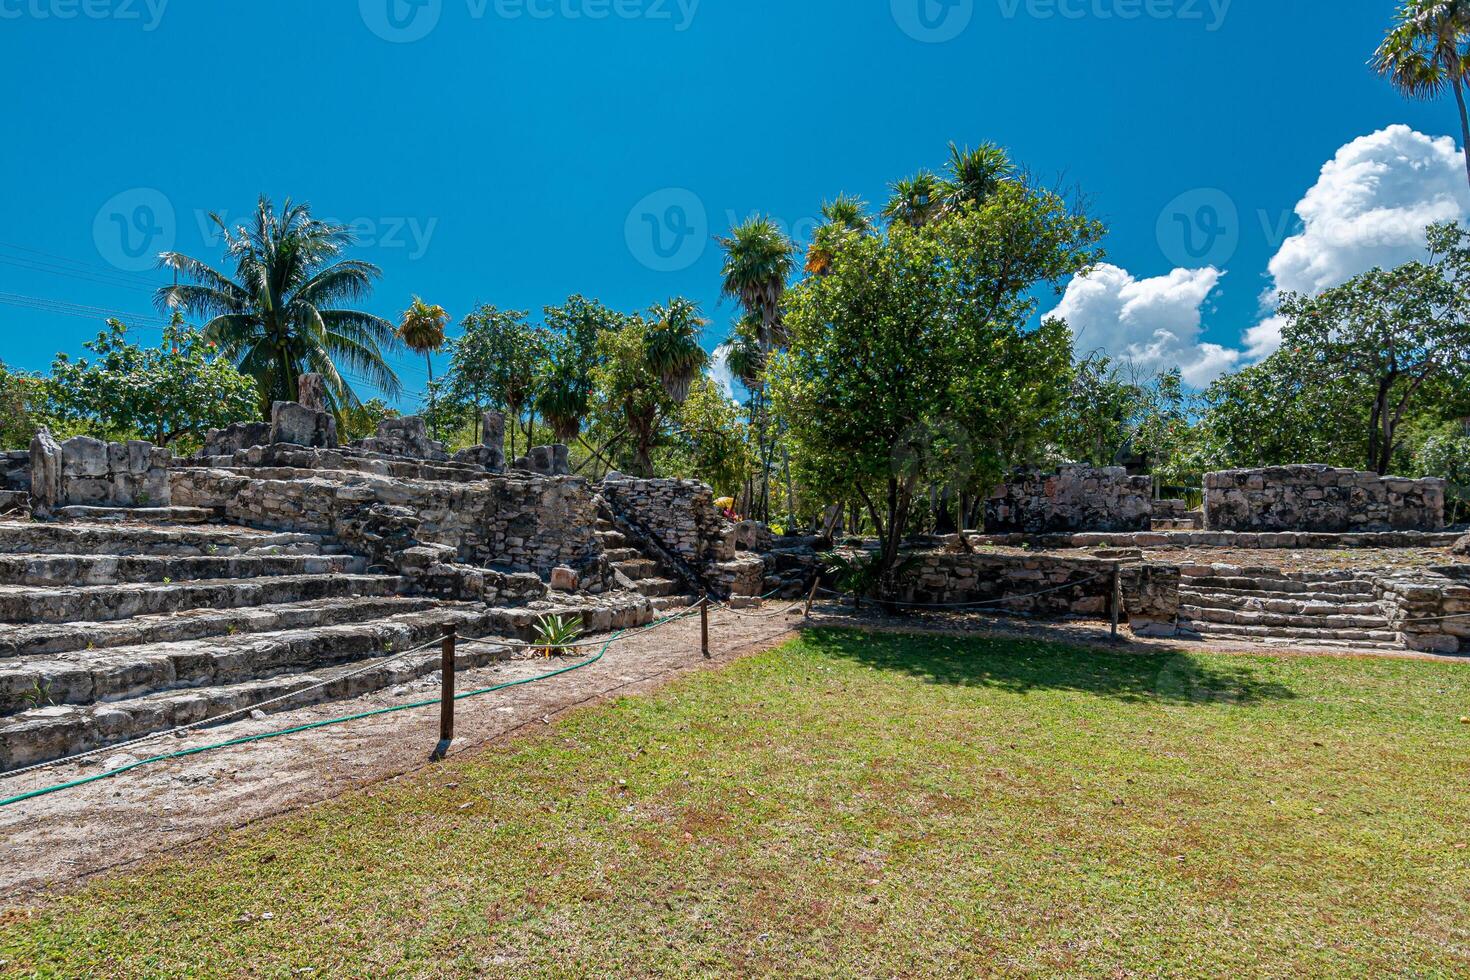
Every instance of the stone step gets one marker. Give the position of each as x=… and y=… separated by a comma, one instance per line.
x=618, y=555
x=1314, y=622
x=671, y=603
x=26, y=537
x=1188, y=587
x=50, y=639
x=599, y=614
x=1297, y=605
x=110, y=675
x=99, y=603
x=657, y=587
x=138, y=515
x=1287, y=634
x=1283, y=586
x=1296, y=642
x=82, y=570
x=638, y=568
x=53, y=732
x=612, y=539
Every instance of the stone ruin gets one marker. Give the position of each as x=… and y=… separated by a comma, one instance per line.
x=1074, y=498
x=1321, y=498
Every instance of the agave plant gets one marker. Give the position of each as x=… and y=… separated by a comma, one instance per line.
x=673, y=347
x=555, y=633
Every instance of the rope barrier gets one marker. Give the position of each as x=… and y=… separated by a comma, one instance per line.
x=969, y=605
x=248, y=739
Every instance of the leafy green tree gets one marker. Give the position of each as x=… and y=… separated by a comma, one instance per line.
x=1447, y=456
x=176, y=391
x=709, y=441
x=631, y=396
x=24, y=407
x=564, y=395
x=361, y=421
x=283, y=312
x=1097, y=420
x=916, y=200
x=1426, y=50
x=495, y=363
x=911, y=365
x=1388, y=335
x=672, y=344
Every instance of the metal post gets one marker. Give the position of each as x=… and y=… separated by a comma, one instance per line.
x=1117, y=602
x=704, y=625
x=446, y=697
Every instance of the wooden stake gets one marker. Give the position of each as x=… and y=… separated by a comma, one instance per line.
x=446, y=697
x=1117, y=603
x=704, y=625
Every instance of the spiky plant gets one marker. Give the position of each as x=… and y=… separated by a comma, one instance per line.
x=673, y=348
x=845, y=216
x=285, y=311
x=1426, y=51
x=916, y=200
x=974, y=175
x=759, y=260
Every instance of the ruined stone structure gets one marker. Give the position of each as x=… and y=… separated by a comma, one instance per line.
x=89, y=472
x=1075, y=498
x=490, y=454
x=407, y=437
x=1045, y=586
x=1320, y=498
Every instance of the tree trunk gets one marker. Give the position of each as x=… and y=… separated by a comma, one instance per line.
x=1459, y=87
x=434, y=415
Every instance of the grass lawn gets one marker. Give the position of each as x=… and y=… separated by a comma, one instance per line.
x=865, y=805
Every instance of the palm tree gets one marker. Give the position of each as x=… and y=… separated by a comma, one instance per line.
x=673, y=346
x=565, y=393
x=282, y=313
x=1426, y=50
x=845, y=215
x=758, y=262
x=422, y=331
x=916, y=200
x=975, y=174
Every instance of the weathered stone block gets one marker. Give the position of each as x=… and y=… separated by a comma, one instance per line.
x=298, y=425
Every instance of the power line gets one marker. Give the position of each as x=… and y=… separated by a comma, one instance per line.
x=81, y=310
x=82, y=266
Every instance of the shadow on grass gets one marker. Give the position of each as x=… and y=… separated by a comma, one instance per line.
x=1022, y=664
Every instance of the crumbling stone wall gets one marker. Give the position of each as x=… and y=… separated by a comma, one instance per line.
x=1320, y=498
x=682, y=518
x=1075, y=498
x=1422, y=605
x=90, y=472
x=519, y=523
x=1069, y=586
x=407, y=437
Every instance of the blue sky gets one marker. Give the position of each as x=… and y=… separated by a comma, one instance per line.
x=523, y=150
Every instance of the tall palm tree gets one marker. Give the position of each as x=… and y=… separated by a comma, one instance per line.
x=758, y=262
x=975, y=174
x=283, y=313
x=421, y=330
x=1426, y=50
x=916, y=200
x=845, y=215
x=673, y=346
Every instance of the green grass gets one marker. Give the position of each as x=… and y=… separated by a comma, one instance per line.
x=864, y=805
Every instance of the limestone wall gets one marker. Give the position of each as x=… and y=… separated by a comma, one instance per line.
x=1418, y=603
x=1075, y=498
x=512, y=522
x=90, y=472
x=1320, y=498
x=1150, y=590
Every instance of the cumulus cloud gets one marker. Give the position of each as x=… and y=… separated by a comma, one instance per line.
x=1370, y=207
x=1154, y=323
x=719, y=371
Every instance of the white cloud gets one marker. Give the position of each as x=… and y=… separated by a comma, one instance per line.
x=1154, y=323
x=719, y=371
x=1370, y=207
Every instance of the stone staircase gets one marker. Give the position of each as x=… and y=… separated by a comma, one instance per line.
x=640, y=571
x=114, y=631
x=1329, y=609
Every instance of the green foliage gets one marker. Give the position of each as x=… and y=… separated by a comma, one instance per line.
x=24, y=404
x=361, y=421
x=710, y=442
x=910, y=362
x=564, y=395
x=553, y=633
x=166, y=394
x=630, y=394
x=672, y=345
x=495, y=364
x=286, y=310
x=1447, y=456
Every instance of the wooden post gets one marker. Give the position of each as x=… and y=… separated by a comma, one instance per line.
x=1117, y=602
x=446, y=697
x=704, y=625
x=812, y=597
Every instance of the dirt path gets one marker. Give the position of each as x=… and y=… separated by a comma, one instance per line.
x=57, y=841
x=54, y=842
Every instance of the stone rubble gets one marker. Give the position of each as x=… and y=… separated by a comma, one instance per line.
x=1321, y=498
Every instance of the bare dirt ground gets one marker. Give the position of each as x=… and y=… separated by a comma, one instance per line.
x=55, y=842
